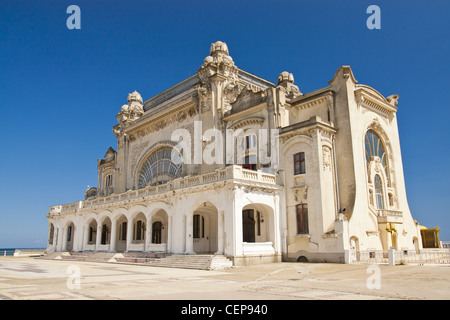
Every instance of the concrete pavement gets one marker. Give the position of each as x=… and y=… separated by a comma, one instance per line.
x=40, y=279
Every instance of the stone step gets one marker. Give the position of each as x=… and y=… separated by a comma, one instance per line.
x=202, y=262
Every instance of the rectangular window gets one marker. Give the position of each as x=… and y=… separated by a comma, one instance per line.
x=302, y=218
x=299, y=163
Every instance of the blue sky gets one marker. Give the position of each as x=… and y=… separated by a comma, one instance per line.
x=61, y=89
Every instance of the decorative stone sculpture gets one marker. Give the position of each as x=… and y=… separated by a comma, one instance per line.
x=286, y=80
x=393, y=99
x=132, y=111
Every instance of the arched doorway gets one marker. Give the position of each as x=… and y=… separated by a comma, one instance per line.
x=258, y=229
x=70, y=235
x=121, y=234
x=159, y=227
x=105, y=237
x=205, y=233
x=91, y=234
x=248, y=225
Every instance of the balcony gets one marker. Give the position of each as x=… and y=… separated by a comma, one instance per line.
x=233, y=174
x=388, y=216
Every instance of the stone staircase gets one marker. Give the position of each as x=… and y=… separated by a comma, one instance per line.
x=80, y=256
x=194, y=261
x=186, y=261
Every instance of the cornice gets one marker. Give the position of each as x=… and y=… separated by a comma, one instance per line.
x=372, y=99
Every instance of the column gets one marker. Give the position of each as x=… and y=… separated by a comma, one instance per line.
x=169, y=233
x=220, y=232
x=129, y=233
x=112, y=239
x=189, y=236
x=148, y=234
x=98, y=238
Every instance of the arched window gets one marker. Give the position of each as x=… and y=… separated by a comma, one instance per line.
x=159, y=168
x=375, y=148
x=379, y=192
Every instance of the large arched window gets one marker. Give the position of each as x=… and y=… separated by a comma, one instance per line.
x=374, y=148
x=159, y=168
x=375, y=151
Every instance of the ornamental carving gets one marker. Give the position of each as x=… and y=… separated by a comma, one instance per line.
x=132, y=111
x=326, y=158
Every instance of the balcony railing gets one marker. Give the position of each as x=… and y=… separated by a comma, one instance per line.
x=386, y=215
x=233, y=172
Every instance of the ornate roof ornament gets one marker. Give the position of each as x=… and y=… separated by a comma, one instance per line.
x=218, y=62
x=286, y=81
x=393, y=99
x=132, y=111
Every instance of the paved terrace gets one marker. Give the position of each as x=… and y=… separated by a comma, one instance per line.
x=37, y=278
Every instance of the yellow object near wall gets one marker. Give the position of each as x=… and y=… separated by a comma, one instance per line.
x=430, y=237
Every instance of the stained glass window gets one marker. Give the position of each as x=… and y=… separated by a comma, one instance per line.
x=159, y=168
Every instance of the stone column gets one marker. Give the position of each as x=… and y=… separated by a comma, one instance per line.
x=169, y=229
x=189, y=236
x=220, y=232
x=98, y=238
x=112, y=239
x=129, y=233
x=148, y=233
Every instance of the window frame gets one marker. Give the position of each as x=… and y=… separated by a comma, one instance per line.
x=302, y=218
x=301, y=161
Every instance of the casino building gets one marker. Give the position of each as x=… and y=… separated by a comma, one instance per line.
x=326, y=179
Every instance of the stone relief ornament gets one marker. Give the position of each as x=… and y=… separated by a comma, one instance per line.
x=132, y=111
x=326, y=158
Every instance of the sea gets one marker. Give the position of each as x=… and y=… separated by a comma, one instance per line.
x=10, y=251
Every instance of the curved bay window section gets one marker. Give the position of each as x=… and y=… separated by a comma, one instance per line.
x=159, y=168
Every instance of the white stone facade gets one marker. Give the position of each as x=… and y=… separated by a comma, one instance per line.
x=334, y=182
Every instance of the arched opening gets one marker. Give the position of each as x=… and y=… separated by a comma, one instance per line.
x=91, y=231
x=354, y=247
x=70, y=235
x=205, y=230
x=159, y=231
x=51, y=234
x=139, y=227
x=105, y=238
x=121, y=234
x=258, y=234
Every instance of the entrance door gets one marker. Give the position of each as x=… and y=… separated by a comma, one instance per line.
x=156, y=232
x=248, y=225
x=201, y=233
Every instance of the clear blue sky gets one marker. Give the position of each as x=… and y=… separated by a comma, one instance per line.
x=60, y=89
